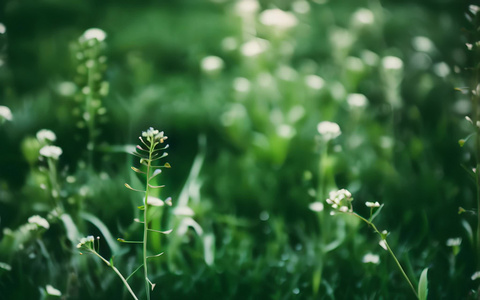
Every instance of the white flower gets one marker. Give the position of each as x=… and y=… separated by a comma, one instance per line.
x=371, y=258
x=3, y=29
x=52, y=291
x=363, y=16
x=39, y=221
x=45, y=136
x=154, y=201
x=476, y=275
x=241, y=84
x=315, y=82
x=247, y=7
x=5, y=113
x=254, y=47
x=211, y=64
x=51, y=151
x=278, y=18
x=94, y=33
x=328, y=130
x=183, y=211
x=5, y=266
x=454, y=242
x=372, y=204
x=316, y=206
x=383, y=244
x=357, y=100
x=86, y=240
x=392, y=63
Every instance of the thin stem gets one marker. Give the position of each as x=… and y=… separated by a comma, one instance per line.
x=145, y=223
x=389, y=250
x=118, y=273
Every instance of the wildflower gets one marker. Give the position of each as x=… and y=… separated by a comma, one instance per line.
x=86, y=242
x=357, y=100
x=328, y=130
x=241, y=84
x=476, y=275
x=5, y=114
x=247, y=7
x=454, y=242
x=41, y=222
x=45, y=136
x=372, y=204
x=51, y=151
x=340, y=200
x=363, y=16
x=383, y=244
x=254, y=47
x=371, y=258
x=52, y=291
x=315, y=82
x=154, y=201
x=278, y=18
x=392, y=63
x=154, y=135
x=212, y=64
x=94, y=33
x=316, y=206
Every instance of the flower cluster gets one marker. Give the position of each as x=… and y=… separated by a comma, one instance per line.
x=328, y=130
x=87, y=243
x=340, y=200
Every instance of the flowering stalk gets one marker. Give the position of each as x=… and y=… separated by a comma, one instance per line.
x=148, y=154
x=88, y=245
x=341, y=202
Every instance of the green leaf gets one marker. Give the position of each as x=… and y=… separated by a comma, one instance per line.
x=141, y=207
x=423, y=285
x=111, y=261
x=137, y=170
x=130, y=188
x=376, y=213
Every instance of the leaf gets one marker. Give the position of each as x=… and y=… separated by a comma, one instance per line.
x=423, y=285
x=129, y=242
x=376, y=213
x=153, y=256
x=111, y=261
x=141, y=207
x=156, y=186
x=103, y=229
x=159, y=231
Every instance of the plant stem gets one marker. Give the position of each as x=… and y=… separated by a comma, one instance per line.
x=389, y=250
x=145, y=223
x=118, y=273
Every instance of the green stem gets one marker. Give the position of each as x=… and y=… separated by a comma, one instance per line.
x=118, y=273
x=389, y=250
x=145, y=223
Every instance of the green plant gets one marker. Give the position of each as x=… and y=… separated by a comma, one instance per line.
x=341, y=202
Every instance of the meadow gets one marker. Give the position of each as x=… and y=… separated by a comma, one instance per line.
x=239, y=149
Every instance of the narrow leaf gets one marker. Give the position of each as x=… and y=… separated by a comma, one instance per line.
x=156, y=186
x=137, y=220
x=423, y=285
x=130, y=188
x=134, y=272
x=163, y=232
x=141, y=207
x=376, y=213
x=153, y=256
x=129, y=242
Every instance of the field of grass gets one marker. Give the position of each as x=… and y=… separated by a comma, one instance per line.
x=269, y=106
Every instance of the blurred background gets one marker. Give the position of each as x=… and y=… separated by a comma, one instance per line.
x=239, y=87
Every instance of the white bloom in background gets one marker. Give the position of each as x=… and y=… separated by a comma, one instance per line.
x=52, y=291
x=476, y=275
x=212, y=64
x=371, y=258
x=372, y=204
x=3, y=29
x=66, y=88
x=340, y=200
x=247, y=7
x=39, y=221
x=183, y=211
x=278, y=18
x=45, y=135
x=94, y=33
x=392, y=63
x=454, y=242
x=51, y=151
x=422, y=44
x=363, y=16
x=328, y=130
x=301, y=7
x=315, y=82
x=241, y=85
x=5, y=113
x=5, y=266
x=286, y=131
x=357, y=100
x=441, y=69
x=316, y=206
x=254, y=47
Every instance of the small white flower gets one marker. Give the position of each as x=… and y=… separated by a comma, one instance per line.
x=51, y=151
x=392, y=63
x=315, y=82
x=45, y=136
x=278, y=18
x=363, y=16
x=5, y=113
x=383, y=244
x=316, y=206
x=357, y=100
x=39, y=221
x=183, y=211
x=328, y=130
x=475, y=275
x=3, y=29
x=94, y=33
x=241, y=85
x=247, y=7
x=371, y=258
x=211, y=64
x=454, y=242
x=154, y=201
x=86, y=240
x=254, y=47
x=52, y=291
x=372, y=204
